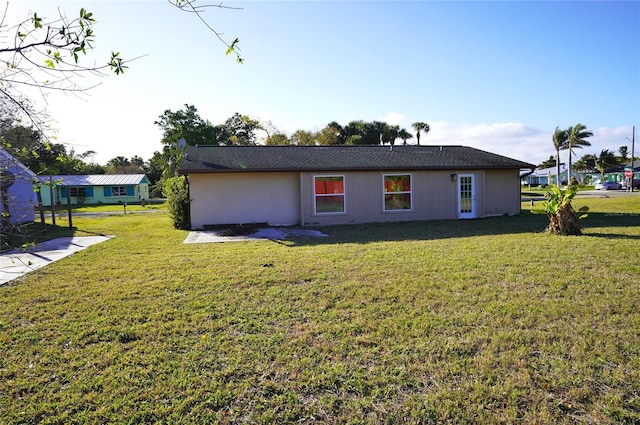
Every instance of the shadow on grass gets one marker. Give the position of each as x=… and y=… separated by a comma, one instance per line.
x=34, y=233
x=526, y=222
x=597, y=220
x=37, y=233
x=611, y=235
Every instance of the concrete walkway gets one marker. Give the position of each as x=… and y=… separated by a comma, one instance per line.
x=14, y=264
x=270, y=233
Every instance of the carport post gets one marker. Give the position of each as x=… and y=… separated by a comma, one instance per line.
x=41, y=210
x=69, y=207
x=53, y=204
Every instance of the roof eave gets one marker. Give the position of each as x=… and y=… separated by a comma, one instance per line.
x=351, y=169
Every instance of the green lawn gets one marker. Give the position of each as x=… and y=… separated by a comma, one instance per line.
x=116, y=208
x=38, y=232
x=480, y=321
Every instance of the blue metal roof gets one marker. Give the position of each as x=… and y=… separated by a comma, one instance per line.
x=97, y=179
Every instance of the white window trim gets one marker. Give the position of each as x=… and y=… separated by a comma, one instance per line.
x=344, y=194
x=118, y=187
x=384, y=207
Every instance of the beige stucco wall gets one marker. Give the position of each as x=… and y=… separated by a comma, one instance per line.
x=234, y=198
x=283, y=198
x=503, y=194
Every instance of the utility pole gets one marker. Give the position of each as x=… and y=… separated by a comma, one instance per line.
x=633, y=153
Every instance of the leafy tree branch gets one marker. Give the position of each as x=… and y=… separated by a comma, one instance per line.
x=53, y=48
x=191, y=7
x=46, y=54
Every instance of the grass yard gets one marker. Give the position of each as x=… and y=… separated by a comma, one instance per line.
x=108, y=208
x=480, y=321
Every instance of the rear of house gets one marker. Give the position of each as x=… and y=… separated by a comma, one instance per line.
x=327, y=185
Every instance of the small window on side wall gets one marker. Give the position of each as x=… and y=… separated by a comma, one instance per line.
x=78, y=192
x=118, y=191
x=329, y=194
x=397, y=192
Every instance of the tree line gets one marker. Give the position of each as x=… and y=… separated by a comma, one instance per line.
x=30, y=146
x=241, y=130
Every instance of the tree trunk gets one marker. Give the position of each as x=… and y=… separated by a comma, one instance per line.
x=569, y=167
x=566, y=222
x=557, y=182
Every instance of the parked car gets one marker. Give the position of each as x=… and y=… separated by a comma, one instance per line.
x=636, y=183
x=607, y=186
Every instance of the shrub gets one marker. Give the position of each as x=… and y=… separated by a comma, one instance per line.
x=177, y=191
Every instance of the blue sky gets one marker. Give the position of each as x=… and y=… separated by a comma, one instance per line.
x=498, y=76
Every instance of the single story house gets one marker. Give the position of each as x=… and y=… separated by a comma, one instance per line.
x=617, y=172
x=545, y=176
x=327, y=185
x=16, y=189
x=93, y=188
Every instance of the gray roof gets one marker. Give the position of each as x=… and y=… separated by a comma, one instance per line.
x=621, y=167
x=219, y=159
x=97, y=179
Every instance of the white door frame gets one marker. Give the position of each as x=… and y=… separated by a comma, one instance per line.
x=466, y=196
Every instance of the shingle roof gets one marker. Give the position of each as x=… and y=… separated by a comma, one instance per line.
x=97, y=179
x=219, y=159
x=620, y=168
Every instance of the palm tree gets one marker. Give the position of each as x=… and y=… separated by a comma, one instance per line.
x=353, y=132
x=548, y=163
x=559, y=143
x=420, y=126
x=379, y=127
x=404, y=135
x=606, y=159
x=577, y=138
x=338, y=131
x=586, y=164
x=390, y=134
x=624, y=154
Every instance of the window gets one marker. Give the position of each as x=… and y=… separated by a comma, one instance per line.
x=78, y=192
x=329, y=194
x=397, y=192
x=118, y=191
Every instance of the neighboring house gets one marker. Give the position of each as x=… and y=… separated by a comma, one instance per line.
x=326, y=185
x=16, y=189
x=94, y=189
x=616, y=173
x=545, y=176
